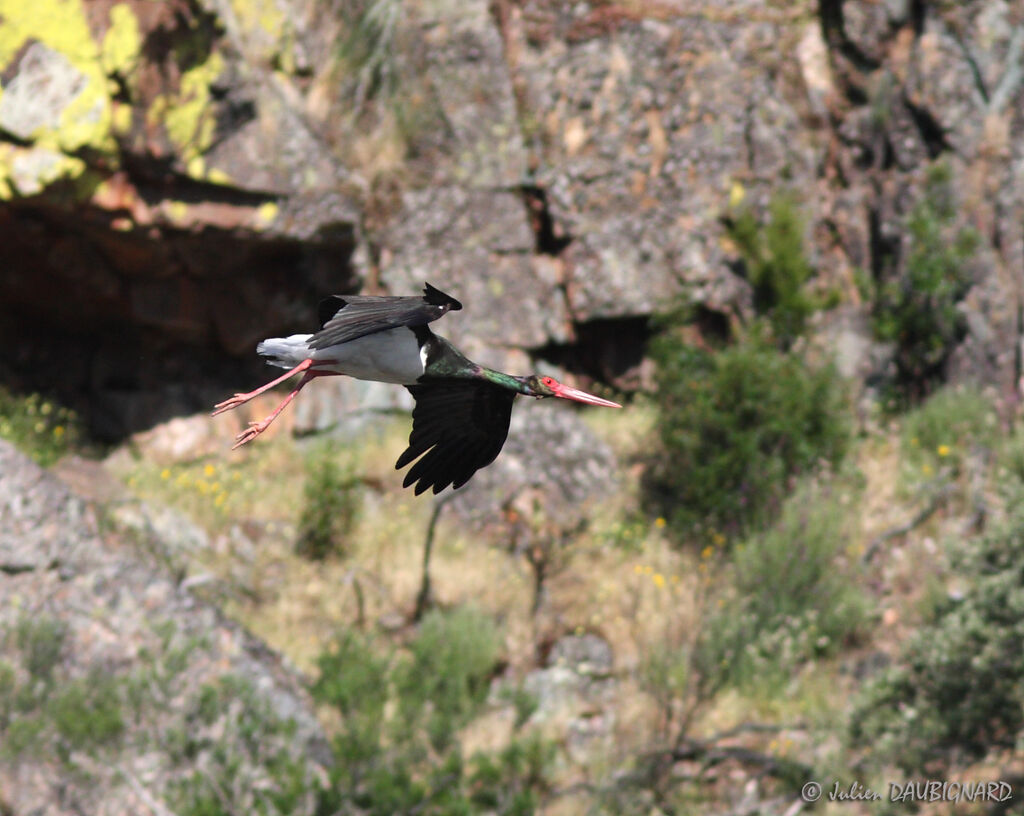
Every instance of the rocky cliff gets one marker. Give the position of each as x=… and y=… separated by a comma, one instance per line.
x=118, y=682
x=179, y=179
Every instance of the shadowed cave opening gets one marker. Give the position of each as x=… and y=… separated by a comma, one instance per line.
x=607, y=350
x=130, y=328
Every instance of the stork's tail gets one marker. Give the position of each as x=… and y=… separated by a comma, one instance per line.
x=285, y=352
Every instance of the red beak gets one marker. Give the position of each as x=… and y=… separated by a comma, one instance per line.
x=574, y=394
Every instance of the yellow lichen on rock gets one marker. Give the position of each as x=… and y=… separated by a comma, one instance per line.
x=266, y=213
x=59, y=97
x=60, y=24
x=61, y=27
x=187, y=116
x=265, y=29
x=122, y=42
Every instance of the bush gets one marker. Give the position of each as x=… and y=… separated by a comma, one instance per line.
x=793, y=595
x=736, y=426
x=247, y=754
x=942, y=431
x=917, y=307
x=777, y=267
x=43, y=711
x=354, y=680
x=330, y=508
x=41, y=643
x=397, y=750
x=40, y=428
x=449, y=673
x=958, y=691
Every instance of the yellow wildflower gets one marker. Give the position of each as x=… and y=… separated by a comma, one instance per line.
x=165, y=473
x=943, y=450
x=660, y=522
x=209, y=470
x=659, y=580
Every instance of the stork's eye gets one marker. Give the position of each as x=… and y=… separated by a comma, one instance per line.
x=547, y=381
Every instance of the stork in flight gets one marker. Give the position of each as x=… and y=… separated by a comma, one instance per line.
x=463, y=409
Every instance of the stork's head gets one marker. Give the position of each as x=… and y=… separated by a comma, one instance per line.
x=538, y=386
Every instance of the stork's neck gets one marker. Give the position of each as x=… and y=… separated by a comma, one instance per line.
x=444, y=360
x=509, y=381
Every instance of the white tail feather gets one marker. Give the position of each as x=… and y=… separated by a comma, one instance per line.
x=285, y=352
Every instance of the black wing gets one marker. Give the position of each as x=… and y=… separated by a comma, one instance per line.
x=458, y=426
x=349, y=317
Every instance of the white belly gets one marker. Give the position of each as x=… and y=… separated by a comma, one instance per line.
x=391, y=356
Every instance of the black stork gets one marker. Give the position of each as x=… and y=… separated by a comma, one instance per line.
x=463, y=409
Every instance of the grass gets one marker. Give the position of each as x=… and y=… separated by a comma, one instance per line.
x=947, y=428
x=670, y=614
x=40, y=427
x=331, y=501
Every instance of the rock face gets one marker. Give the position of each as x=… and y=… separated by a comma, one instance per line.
x=573, y=690
x=123, y=684
x=178, y=180
x=552, y=471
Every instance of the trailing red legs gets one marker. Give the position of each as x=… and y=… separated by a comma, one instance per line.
x=256, y=428
x=241, y=399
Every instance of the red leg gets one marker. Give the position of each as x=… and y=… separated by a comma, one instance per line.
x=256, y=428
x=241, y=399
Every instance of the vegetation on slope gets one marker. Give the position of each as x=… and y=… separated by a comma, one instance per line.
x=785, y=597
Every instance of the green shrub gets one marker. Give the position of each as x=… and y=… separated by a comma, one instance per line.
x=916, y=307
x=450, y=667
x=957, y=692
x=397, y=750
x=1010, y=456
x=944, y=429
x=509, y=782
x=736, y=426
x=44, y=712
x=330, y=508
x=793, y=594
x=777, y=266
x=354, y=680
x=87, y=713
x=246, y=753
x=39, y=427
x=41, y=643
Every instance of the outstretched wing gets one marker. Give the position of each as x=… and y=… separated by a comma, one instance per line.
x=349, y=317
x=458, y=427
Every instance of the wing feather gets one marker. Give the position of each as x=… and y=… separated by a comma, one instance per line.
x=349, y=317
x=459, y=426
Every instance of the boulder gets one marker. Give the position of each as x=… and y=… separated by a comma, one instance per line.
x=122, y=692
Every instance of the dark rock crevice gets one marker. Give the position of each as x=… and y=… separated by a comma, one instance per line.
x=833, y=29
x=932, y=134
x=551, y=238
x=605, y=350
x=133, y=328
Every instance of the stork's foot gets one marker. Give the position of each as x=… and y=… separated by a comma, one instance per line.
x=229, y=404
x=250, y=433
